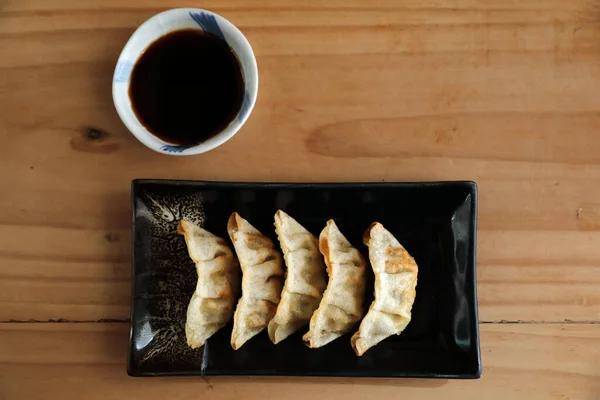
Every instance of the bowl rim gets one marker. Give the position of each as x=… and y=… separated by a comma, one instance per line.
x=125, y=65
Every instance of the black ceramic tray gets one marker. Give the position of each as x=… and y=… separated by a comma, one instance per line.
x=435, y=222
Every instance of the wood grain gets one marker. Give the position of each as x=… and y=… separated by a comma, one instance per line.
x=503, y=94
x=506, y=93
x=83, y=274
x=540, y=361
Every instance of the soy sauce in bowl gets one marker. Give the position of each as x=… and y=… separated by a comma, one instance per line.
x=187, y=86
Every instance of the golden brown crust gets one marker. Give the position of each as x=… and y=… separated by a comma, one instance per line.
x=324, y=249
x=180, y=228
x=395, y=289
x=256, y=240
x=399, y=260
x=367, y=234
x=232, y=224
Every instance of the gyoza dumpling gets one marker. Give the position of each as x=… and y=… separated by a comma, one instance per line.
x=262, y=273
x=395, y=283
x=342, y=303
x=305, y=280
x=211, y=306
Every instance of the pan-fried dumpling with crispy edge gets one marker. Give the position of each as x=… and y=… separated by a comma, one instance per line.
x=212, y=303
x=262, y=273
x=342, y=303
x=395, y=289
x=305, y=280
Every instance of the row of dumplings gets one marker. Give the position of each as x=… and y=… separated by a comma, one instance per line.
x=286, y=303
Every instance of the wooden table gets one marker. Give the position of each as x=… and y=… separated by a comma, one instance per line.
x=505, y=92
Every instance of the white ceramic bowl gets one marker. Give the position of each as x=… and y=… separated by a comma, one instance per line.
x=159, y=25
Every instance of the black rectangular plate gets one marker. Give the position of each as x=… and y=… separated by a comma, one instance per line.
x=435, y=221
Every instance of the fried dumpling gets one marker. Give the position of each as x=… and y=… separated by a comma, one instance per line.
x=262, y=273
x=211, y=306
x=395, y=289
x=342, y=303
x=305, y=280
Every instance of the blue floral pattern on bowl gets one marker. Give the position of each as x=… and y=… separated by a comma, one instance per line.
x=208, y=23
x=175, y=149
x=123, y=71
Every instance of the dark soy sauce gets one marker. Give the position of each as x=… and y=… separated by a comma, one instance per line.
x=187, y=86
